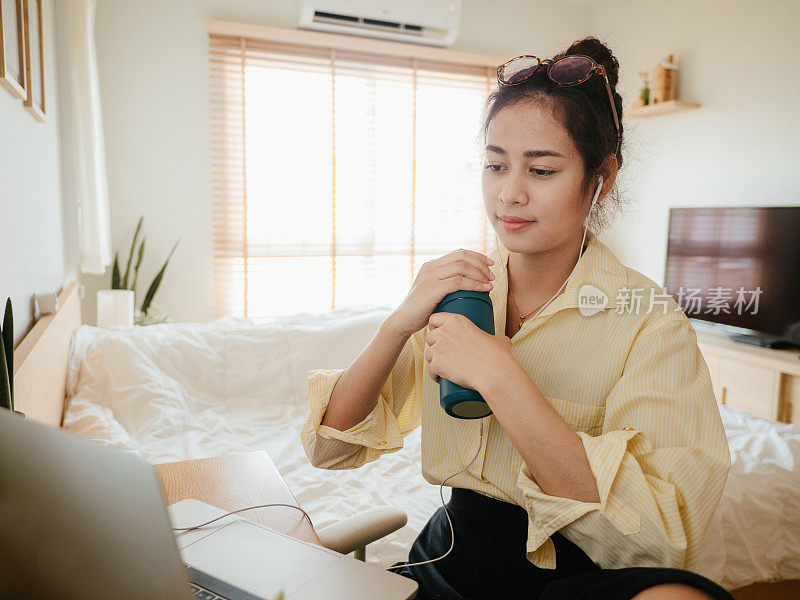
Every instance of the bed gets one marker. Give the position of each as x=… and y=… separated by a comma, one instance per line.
x=191, y=390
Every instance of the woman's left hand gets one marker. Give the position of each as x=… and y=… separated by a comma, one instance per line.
x=462, y=352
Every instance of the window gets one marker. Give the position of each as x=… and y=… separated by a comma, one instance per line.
x=336, y=174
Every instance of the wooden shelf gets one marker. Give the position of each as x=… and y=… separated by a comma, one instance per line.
x=661, y=108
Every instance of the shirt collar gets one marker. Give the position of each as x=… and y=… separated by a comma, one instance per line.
x=598, y=267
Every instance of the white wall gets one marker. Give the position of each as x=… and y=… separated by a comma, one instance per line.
x=32, y=255
x=153, y=71
x=738, y=60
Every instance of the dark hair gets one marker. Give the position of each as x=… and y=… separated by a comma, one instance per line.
x=582, y=109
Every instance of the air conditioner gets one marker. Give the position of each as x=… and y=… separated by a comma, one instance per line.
x=431, y=22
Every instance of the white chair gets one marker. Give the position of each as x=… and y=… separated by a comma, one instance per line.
x=354, y=533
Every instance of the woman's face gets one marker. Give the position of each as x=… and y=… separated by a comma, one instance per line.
x=533, y=171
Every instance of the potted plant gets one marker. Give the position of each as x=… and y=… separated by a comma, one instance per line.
x=149, y=313
x=7, y=360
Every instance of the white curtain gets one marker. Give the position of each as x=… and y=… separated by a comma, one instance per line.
x=83, y=124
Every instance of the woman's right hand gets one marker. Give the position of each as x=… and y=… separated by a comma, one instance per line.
x=457, y=270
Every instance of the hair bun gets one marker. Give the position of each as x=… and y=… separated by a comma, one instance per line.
x=599, y=52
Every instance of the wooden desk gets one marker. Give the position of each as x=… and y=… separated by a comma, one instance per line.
x=236, y=481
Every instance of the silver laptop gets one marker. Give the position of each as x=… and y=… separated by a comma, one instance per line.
x=82, y=520
x=260, y=560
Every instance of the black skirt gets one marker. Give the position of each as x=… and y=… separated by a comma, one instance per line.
x=488, y=560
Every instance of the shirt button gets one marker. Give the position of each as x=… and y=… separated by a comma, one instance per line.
x=381, y=443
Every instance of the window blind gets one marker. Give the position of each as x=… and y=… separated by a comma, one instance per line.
x=336, y=174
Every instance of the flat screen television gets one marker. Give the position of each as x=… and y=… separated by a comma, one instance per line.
x=739, y=269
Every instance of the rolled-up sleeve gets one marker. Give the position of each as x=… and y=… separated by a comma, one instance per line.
x=660, y=463
x=395, y=415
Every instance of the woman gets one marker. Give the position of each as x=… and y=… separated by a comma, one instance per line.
x=598, y=472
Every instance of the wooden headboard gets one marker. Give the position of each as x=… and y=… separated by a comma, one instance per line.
x=40, y=361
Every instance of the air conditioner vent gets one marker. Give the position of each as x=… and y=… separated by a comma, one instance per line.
x=352, y=21
x=319, y=15
x=381, y=23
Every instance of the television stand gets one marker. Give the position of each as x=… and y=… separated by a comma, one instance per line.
x=765, y=340
x=750, y=377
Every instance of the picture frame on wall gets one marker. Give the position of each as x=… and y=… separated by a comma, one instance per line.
x=12, y=48
x=34, y=51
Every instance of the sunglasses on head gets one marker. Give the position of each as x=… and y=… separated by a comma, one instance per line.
x=569, y=70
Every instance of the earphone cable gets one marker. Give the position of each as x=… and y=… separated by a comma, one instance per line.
x=447, y=514
x=233, y=512
x=441, y=495
x=580, y=253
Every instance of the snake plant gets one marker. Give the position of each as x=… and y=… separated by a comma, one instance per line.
x=120, y=281
x=7, y=359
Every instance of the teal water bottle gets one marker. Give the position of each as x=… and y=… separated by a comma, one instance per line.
x=457, y=401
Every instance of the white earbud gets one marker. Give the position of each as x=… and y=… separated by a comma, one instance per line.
x=594, y=201
x=597, y=192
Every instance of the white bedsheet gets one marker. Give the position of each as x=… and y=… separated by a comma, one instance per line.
x=193, y=390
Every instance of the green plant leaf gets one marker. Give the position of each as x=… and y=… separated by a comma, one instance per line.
x=8, y=348
x=130, y=256
x=5, y=388
x=115, y=273
x=156, y=282
x=138, y=264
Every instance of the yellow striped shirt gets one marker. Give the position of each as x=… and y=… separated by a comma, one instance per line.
x=630, y=380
